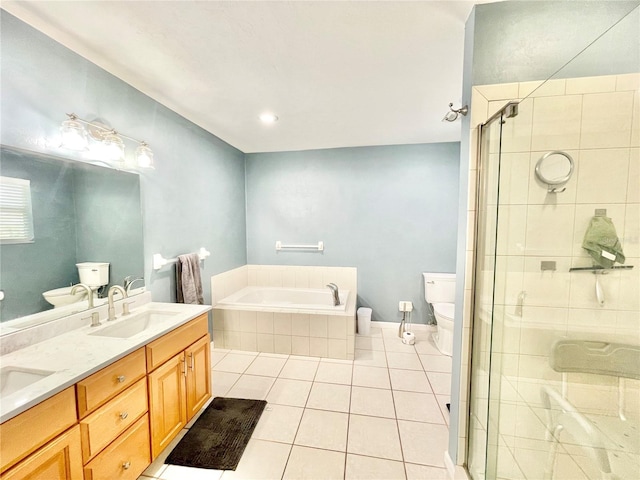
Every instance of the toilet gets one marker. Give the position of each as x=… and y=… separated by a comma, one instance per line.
x=93, y=274
x=440, y=293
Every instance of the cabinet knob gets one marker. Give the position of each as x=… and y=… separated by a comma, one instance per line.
x=124, y=415
x=121, y=378
x=126, y=465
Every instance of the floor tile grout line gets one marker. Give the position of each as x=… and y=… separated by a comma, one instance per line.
x=394, y=409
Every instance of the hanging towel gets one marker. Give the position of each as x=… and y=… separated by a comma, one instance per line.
x=188, y=282
x=602, y=243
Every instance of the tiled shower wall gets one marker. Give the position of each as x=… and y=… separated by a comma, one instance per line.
x=597, y=121
x=282, y=330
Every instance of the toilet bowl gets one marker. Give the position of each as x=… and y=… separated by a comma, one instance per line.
x=59, y=297
x=440, y=293
x=444, y=335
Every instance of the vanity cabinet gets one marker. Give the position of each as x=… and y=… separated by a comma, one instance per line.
x=59, y=459
x=25, y=433
x=113, y=423
x=179, y=380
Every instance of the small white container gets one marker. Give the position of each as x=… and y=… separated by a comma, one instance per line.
x=364, y=321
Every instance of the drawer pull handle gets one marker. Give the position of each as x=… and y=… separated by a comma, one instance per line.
x=121, y=378
x=184, y=366
x=124, y=415
x=191, y=361
x=126, y=465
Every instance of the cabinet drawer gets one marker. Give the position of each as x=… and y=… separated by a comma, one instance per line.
x=110, y=381
x=58, y=460
x=124, y=459
x=167, y=346
x=24, y=433
x=102, y=426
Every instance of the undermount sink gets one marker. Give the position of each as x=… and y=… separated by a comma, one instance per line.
x=13, y=379
x=130, y=326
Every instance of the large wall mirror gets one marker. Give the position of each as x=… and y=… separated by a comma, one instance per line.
x=80, y=213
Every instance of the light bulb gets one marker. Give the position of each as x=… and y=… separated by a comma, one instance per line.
x=144, y=156
x=74, y=136
x=268, y=118
x=113, y=147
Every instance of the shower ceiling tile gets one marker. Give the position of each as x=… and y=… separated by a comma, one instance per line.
x=556, y=123
x=628, y=81
x=603, y=176
x=606, y=120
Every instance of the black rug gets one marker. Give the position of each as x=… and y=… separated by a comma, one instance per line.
x=217, y=439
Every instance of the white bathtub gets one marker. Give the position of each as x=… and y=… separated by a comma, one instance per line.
x=264, y=298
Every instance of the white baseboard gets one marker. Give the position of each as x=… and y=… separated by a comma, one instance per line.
x=414, y=326
x=455, y=472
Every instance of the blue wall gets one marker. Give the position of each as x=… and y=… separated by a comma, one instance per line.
x=389, y=211
x=194, y=198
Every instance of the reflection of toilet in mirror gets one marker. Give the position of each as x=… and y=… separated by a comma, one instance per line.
x=93, y=274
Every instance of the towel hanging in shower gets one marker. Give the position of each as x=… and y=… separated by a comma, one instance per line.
x=188, y=281
x=602, y=242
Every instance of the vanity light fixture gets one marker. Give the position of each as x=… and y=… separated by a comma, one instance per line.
x=268, y=118
x=103, y=142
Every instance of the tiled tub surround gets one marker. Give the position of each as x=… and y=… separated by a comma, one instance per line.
x=276, y=329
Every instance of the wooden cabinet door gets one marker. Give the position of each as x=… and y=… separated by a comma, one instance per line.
x=198, y=358
x=60, y=459
x=167, y=402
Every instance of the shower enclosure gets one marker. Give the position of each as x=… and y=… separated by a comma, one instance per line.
x=555, y=363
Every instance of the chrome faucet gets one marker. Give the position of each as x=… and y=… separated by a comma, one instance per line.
x=130, y=280
x=75, y=288
x=112, y=309
x=334, y=291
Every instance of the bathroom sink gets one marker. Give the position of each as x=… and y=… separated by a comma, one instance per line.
x=13, y=379
x=134, y=324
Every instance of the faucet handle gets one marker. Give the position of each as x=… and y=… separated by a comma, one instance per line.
x=125, y=307
x=95, y=319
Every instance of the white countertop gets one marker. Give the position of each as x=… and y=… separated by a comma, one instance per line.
x=75, y=354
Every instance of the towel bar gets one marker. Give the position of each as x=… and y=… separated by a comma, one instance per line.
x=319, y=247
x=159, y=261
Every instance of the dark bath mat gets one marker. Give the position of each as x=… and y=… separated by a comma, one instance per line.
x=217, y=439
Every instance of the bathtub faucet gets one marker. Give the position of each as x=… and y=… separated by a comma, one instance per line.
x=334, y=291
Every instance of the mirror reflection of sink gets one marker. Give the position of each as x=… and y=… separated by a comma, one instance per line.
x=130, y=326
x=13, y=379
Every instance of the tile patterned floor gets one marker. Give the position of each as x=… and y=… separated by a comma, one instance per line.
x=381, y=416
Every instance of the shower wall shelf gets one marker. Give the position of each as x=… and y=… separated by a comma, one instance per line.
x=597, y=269
x=319, y=246
x=159, y=261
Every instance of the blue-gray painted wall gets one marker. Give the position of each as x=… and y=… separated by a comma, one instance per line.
x=389, y=211
x=195, y=196
x=532, y=40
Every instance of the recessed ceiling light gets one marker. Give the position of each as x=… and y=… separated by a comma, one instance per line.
x=268, y=118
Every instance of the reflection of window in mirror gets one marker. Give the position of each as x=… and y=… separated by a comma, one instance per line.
x=16, y=217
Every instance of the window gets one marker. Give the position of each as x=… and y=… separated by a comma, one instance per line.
x=16, y=217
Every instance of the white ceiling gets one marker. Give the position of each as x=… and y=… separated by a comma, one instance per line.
x=337, y=74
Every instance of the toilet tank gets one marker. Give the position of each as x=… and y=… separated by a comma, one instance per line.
x=93, y=274
x=440, y=287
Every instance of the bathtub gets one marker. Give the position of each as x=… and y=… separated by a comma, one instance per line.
x=300, y=300
x=291, y=321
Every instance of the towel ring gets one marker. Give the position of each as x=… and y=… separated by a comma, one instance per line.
x=555, y=169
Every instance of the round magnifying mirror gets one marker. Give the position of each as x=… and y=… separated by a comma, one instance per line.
x=554, y=168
